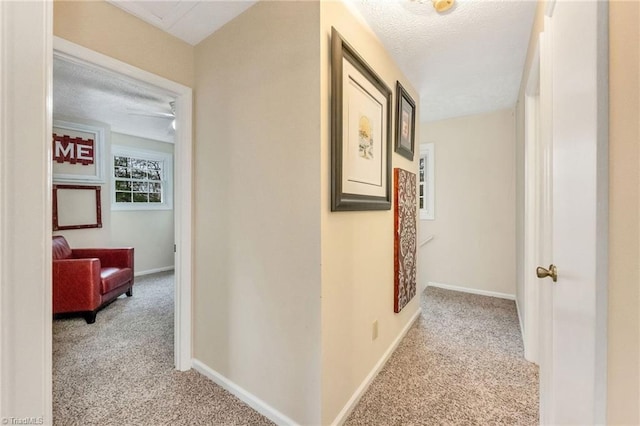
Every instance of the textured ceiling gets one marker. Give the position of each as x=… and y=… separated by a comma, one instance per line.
x=92, y=93
x=467, y=61
x=191, y=21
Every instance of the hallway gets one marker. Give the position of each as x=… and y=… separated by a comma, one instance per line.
x=461, y=363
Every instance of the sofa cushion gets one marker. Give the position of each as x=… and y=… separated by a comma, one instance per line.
x=112, y=278
x=60, y=248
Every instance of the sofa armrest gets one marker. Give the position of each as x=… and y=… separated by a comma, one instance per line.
x=109, y=257
x=76, y=285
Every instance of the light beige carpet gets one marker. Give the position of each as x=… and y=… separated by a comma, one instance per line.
x=119, y=371
x=462, y=363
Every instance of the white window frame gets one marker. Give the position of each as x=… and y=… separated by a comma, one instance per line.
x=428, y=210
x=167, y=178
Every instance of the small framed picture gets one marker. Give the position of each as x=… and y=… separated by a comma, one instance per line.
x=405, y=123
x=76, y=207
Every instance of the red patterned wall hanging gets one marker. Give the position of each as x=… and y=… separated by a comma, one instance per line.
x=405, y=242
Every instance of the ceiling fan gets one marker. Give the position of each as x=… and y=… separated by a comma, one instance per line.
x=158, y=114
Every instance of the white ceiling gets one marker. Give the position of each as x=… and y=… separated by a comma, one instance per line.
x=466, y=61
x=191, y=21
x=92, y=93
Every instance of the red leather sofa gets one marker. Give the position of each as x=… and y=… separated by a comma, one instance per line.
x=85, y=280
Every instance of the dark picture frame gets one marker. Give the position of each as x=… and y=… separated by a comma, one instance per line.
x=405, y=123
x=57, y=210
x=361, y=118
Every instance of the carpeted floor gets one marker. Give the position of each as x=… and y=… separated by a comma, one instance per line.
x=119, y=371
x=461, y=363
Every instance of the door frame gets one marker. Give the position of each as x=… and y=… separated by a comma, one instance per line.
x=532, y=174
x=183, y=183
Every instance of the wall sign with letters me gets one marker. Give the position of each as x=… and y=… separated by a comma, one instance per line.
x=73, y=150
x=78, y=152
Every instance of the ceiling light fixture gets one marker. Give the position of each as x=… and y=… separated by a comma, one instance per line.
x=440, y=6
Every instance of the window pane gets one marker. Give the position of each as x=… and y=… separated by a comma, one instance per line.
x=123, y=197
x=123, y=185
x=139, y=197
x=154, y=175
x=155, y=187
x=139, y=186
x=138, y=174
x=122, y=172
x=120, y=161
x=421, y=203
x=155, y=198
x=137, y=163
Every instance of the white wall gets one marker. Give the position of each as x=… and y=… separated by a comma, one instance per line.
x=474, y=226
x=257, y=205
x=357, y=247
x=150, y=232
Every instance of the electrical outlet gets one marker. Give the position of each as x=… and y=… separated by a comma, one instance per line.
x=374, y=330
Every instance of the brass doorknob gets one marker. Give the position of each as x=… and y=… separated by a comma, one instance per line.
x=551, y=272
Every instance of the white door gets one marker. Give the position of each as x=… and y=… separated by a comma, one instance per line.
x=573, y=310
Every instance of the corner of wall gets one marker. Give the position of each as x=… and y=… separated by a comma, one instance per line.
x=356, y=247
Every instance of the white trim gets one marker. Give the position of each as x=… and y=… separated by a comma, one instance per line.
x=183, y=190
x=472, y=290
x=154, y=271
x=548, y=10
x=26, y=30
x=545, y=293
x=426, y=240
x=355, y=398
x=428, y=212
x=533, y=220
x=245, y=396
x=183, y=181
x=520, y=320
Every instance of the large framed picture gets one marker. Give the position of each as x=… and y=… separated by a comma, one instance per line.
x=405, y=239
x=78, y=151
x=405, y=123
x=360, y=132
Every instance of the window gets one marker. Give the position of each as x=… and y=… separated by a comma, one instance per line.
x=427, y=183
x=141, y=180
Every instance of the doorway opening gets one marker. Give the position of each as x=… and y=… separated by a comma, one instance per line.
x=161, y=127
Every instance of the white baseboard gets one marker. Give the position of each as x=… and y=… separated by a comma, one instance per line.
x=355, y=398
x=520, y=319
x=153, y=271
x=472, y=290
x=245, y=396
